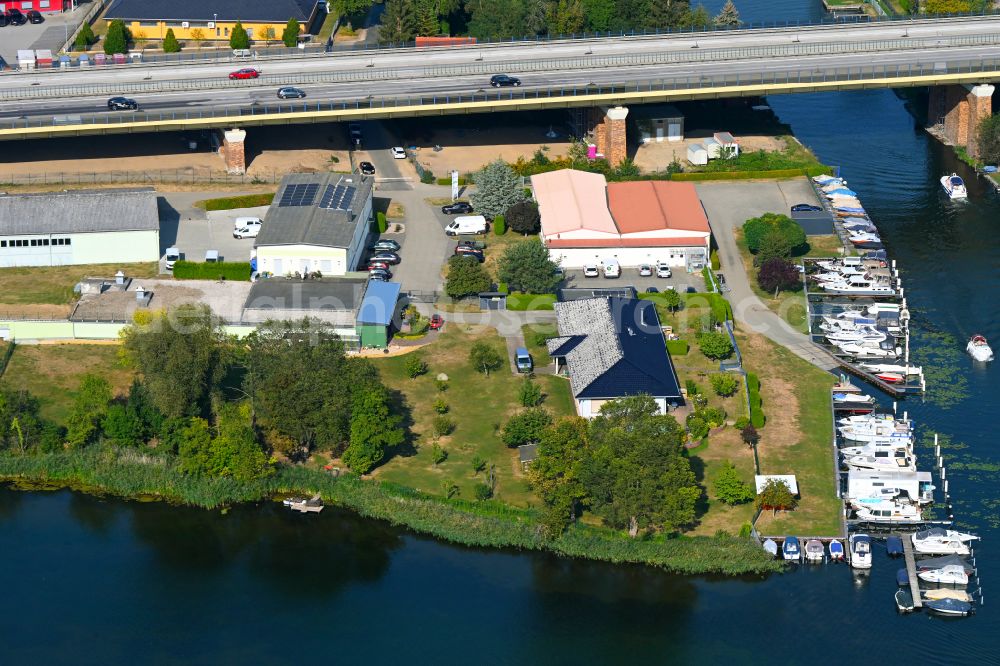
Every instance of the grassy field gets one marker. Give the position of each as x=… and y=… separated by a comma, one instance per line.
x=478, y=405
x=797, y=437
x=53, y=285
x=52, y=373
x=240, y=201
x=825, y=246
x=790, y=306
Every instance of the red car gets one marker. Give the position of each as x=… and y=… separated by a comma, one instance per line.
x=372, y=265
x=436, y=322
x=245, y=73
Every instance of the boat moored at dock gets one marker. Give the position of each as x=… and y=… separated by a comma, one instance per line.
x=861, y=551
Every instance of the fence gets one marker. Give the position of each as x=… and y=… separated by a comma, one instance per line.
x=186, y=175
x=96, y=8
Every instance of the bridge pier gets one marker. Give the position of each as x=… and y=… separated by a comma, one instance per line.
x=958, y=110
x=610, y=133
x=232, y=151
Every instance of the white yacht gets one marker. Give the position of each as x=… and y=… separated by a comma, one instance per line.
x=860, y=547
x=894, y=448
x=862, y=351
x=888, y=512
x=952, y=574
x=907, y=370
x=979, y=349
x=939, y=541
x=882, y=462
x=954, y=186
x=859, y=334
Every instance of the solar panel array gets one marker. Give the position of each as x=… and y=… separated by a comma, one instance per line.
x=302, y=194
x=338, y=197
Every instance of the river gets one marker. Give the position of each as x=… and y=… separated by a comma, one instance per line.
x=90, y=580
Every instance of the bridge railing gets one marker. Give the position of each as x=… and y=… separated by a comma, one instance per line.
x=756, y=83
x=688, y=56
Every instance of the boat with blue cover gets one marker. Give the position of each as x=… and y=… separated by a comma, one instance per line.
x=790, y=548
x=951, y=607
x=894, y=546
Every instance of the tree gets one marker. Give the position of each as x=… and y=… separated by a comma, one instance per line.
x=566, y=17
x=947, y=6
x=715, y=345
x=671, y=299
x=194, y=446
x=415, y=366
x=663, y=14
x=198, y=35
x=235, y=451
x=374, y=430
x=730, y=488
x=729, y=17
x=525, y=427
x=530, y=394
x=238, y=38
x=399, y=22
x=749, y=435
x=290, y=35
x=181, y=357
x=697, y=427
x=85, y=37
x=555, y=474
x=89, y=408
x=724, y=384
x=122, y=426
x=698, y=17
x=599, y=14
x=774, y=245
x=170, y=43
x=427, y=18
x=21, y=427
x=526, y=266
x=497, y=19
x=988, y=138
x=466, y=277
x=778, y=275
x=497, y=189
x=116, y=40
x=484, y=357
x=775, y=495
x=499, y=225
x=523, y=218
x=756, y=228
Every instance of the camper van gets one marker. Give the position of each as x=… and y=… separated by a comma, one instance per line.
x=467, y=224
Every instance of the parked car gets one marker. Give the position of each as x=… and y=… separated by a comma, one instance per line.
x=35, y=16
x=522, y=360
x=591, y=271
x=3, y=21
x=367, y=168
x=387, y=257
x=15, y=17
x=457, y=208
x=380, y=265
x=467, y=225
x=612, y=269
x=289, y=92
x=663, y=270
x=470, y=252
x=804, y=207
x=122, y=104
x=171, y=257
x=380, y=274
x=398, y=153
x=248, y=231
x=645, y=270
x=385, y=245
x=245, y=73
x=437, y=321
x=652, y=290
x=474, y=244
x=504, y=81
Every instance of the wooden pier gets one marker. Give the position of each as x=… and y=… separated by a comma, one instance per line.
x=911, y=570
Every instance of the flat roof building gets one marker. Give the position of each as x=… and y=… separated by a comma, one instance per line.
x=214, y=19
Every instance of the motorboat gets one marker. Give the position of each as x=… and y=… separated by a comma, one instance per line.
x=871, y=432
x=867, y=418
x=854, y=285
x=898, y=449
x=815, y=552
x=853, y=399
x=861, y=551
x=883, y=495
x=832, y=325
x=882, y=463
x=949, y=575
x=894, y=546
x=979, y=349
x=952, y=607
x=944, y=561
x=836, y=551
x=771, y=547
x=860, y=351
x=902, y=578
x=891, y=377
x=954, y=186
x=907, y=370
x=939, y=541
x=864, y=238
x=860, y=335
x=889, y=512
x=946, y=593
x=790, y=548
x=904, y=601
x=823, y=180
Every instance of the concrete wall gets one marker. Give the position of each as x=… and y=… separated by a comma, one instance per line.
x=282, y=259
x=64, y=249
x=58, y=330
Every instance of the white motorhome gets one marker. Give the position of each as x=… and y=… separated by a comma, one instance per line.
x=866, y=484
x=467, y=225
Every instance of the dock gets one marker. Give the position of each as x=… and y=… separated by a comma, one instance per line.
x=911, y=570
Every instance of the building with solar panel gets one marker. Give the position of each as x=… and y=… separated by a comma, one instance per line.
x=318, y=222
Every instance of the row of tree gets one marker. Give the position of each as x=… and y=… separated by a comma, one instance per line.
x=773, y=239
x=119, y=37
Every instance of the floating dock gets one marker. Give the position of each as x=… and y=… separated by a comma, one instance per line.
x=911, y=570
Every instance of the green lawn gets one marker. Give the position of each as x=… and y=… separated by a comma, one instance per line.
x=789, y=305
x=52, y=373
x=53, y=285
x=825, y=246
x=540, y=353
x=238, y=201
x=792, y=156
x=479, y=405
x=521, y=302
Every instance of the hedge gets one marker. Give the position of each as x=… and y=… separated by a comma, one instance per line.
x=380, y=222
x=224, y=270
x=523, y=302
x=749, y=175
x=716, y=264
x=242, y=201
x=499, y=225
x=677, y=347
x=447, y=181
x=753, y=391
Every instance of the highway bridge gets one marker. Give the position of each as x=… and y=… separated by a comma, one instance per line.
x=599, y=72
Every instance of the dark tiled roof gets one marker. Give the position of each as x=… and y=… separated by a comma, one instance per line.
x=79, y=212
x=272, y=11
x=620, y=352
x=311, y=224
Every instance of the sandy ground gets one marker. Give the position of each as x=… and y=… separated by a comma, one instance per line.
x=657, y=156
x=467, y=150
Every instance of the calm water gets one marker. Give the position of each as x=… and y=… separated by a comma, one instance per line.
x=85, y=580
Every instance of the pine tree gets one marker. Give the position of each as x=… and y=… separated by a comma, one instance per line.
x=170, y=44
x=427, y=19
x=399, y=21
x=663, y=14
x=116, y=40
x=238, y=38
x=729, y=16
x=290, y=35
x=85, y=37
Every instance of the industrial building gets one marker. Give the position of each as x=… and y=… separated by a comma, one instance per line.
x=79, y=227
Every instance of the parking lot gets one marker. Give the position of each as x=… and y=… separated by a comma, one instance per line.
x=680, y=280
x=212, y=231
x=51, y=34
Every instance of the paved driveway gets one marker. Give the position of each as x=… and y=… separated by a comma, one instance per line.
x=681, y=280
x=424, y=245
x=193, y=231
x=51, y=34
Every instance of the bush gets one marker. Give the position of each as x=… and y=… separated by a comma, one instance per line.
x=466, y=277
x=224, y=270
x=730, y=488
x=778, y=274
x=447, y=181
x=442, y=426
x=229, y=203
x=697, y=427
x=290, y=35
x=170, y=43
x=499, y=225
x=478, y=464
x=751, y=175
x=714, y=416
x=116, y=39
x=749, y=435
x=440, y=406
x=483, y=492
x=381, y=224
x=238, y=38
x=523, y=218
x=415, y=366
x=677, y=347
x=85, y=37
x=716, y=264
x=724, y=384
x=741, y=423
x=753, y=392
x=525, y=427
x=438, y=454
x=427, y=178
x=715, y=345
x=691, y=387
x=530, y=394
x=756, y=229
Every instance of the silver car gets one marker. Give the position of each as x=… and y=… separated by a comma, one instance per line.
x=645, y=270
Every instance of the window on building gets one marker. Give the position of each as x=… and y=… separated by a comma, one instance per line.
x=218, y=32
x=66, y=242
x=34, y=242
x=3, y=243
x=227, y=32
x=25, y=6
x=44, y=4
x=45, y=242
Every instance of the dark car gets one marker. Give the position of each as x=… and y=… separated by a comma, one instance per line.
x=367, y=168
x=245, y=73
x=387, y=257
x=35, y=16
x=379, y=274
x=470, y=252
x=652, y=290
x=385, y=245
x=457, y=208
x=504, y=81
x=289, y=92
x=122, y=104
x=15, y=17
x=3, y=20
x=479, y=246
x=804, y=207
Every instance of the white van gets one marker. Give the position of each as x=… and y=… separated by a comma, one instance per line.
x=612, y=269
x=467, y=224
x=246, y=227
x=171, y=256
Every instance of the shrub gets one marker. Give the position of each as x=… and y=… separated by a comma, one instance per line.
x=716, y=264
x=427, y=178
x=478, y=464
x=224, y=270
x=116, y=39
x=440, y=406
x=85, y=37
x=525, y=427
x=381, y=224
x=730, y=488
x=677, y=347
x=724, y=384
x=541, y=338
x=415, y=366
x=697, y=427
x=466, y=277
x=749, y=435
x=753, y=392
x=443, y=425
x=499, y=225
x=741, y=423
x=715, y=345
x=691, y=387
x=778, y=274
x=238, y=38
x=530, y=394
x=714, y=416
x=290, y=35
x=756, y=229
x=441, y=385
x=170, y=43
x=447, y=181
x=243, y=201
x=484, y=357
x=438, y=454
x=523, y=217
x=483, y=492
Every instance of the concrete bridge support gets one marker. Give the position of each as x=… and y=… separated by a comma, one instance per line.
x=232, y=151
x=610, y=133
x=959, y=109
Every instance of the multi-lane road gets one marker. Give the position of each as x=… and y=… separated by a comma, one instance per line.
x=442, y=75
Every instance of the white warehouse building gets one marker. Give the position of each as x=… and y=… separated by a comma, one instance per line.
x=79, y=227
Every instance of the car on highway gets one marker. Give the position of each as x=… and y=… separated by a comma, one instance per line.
x=387, y=257
x=504, y=81
x=34, y=16
x=367, y=168
x=15, y=17
x=385, y=245
x=245, y=73
x=804, y=207
x=122, y=104
x=457, y=208
x=289, y=92
x=398, y=153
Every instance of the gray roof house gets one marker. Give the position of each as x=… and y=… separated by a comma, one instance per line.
x=613, y=348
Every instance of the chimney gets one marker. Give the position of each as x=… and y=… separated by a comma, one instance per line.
x=120, y=278
x=140, y=294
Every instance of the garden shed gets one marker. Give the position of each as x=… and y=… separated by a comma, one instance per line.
x=658, y=122
x=376, y=314
x=697, y=155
